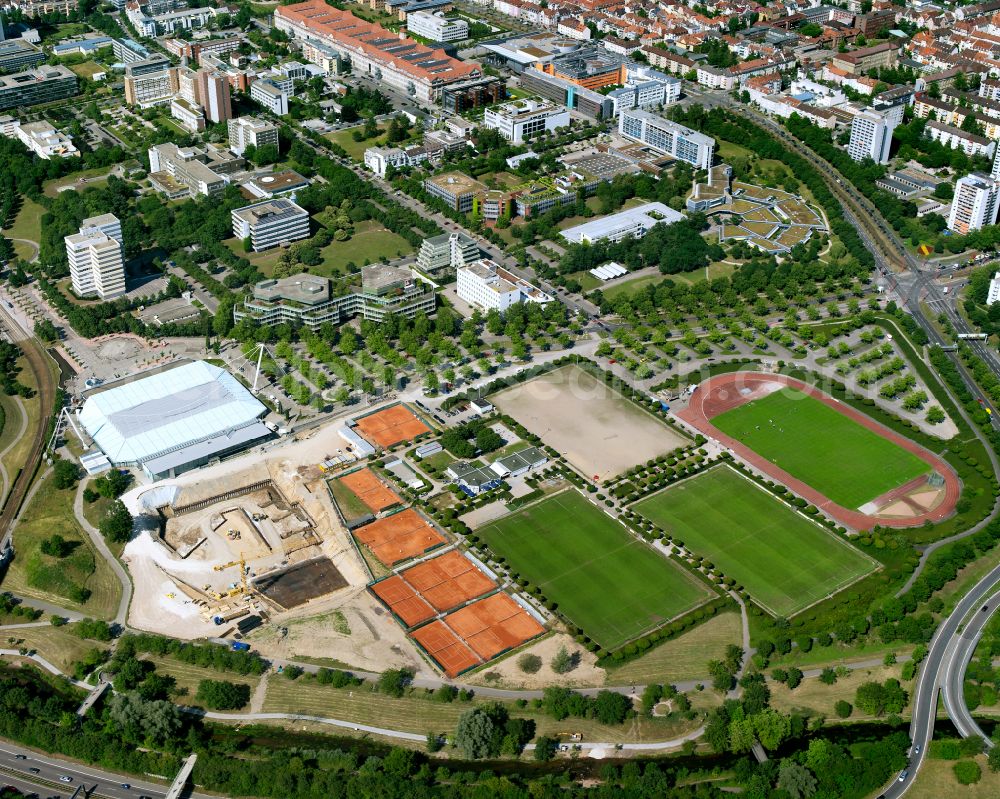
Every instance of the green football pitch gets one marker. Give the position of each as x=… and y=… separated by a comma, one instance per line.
x=784, y=560
x=608, y=583
x=822, y=447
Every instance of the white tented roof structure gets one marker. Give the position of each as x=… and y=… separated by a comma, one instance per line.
x=174, y=419
x=609, y=271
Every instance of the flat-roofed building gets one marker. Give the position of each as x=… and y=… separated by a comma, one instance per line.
x=447, y=252
x=251, y=131
x=380, y=290
x=150, y=82
x=633, y=223
x=668, y=137
x=96, y=264
x=213, y=95
x=19, y=54
x=271, y=223
x=36, y=86
x=277, y=184
x=975, y=204
x=41, y=138
x=420, y=71
x=487, y=285
x=523, y=119
x=269, y=94
x=191, y=116
x=437, y=27
x=456, y=189
x=202, y=170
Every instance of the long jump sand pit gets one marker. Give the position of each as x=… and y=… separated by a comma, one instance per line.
x=370, y=490
x=434, y=586
x=600, y=432
x=399, y=537
x=390, y=426
x=301, y=582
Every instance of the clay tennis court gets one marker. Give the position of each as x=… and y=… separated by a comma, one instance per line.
x=727, y=391
x=448, y=651
x=493, y=625
x=399, y=537
x=370, y=490
x=390, y=426
x=448, y=581
x=399, y=596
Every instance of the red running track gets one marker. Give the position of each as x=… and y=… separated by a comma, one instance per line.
x=723, y=392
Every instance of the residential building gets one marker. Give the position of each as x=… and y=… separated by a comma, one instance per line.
x=420, y=71
x=958, y=139
x=36, y=86
x=19, y=54
x=447, y=252
x=95, y=259
x=437, y=27
x=271, y=223
x=975, y=204
x=669, y=137
x=190, y=171
x=487, y=285
x=632, y=223
x=993, y=295
x=456, y=189
x=871, y=136
x=37, y=8
x=860, y=62
x=40, y=137
x=995, y=173
x=310, y=302
x=523, y=119
x=251, y=132
x=267, y=92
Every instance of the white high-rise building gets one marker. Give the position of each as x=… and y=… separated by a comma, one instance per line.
x=487, y=285
x=995, y=174
x=976, y=201
x=246, y=131
x=96, y=264
x=871, y=135
x=661, y=134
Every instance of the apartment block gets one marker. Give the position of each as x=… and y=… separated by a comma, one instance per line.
x=871, y=136
x=271, y=223
x=975, y=203
x=96, y=264
x=36, y=86
x=250, y=131
x=668, y=137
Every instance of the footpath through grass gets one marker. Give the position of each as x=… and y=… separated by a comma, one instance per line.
x=610, y=584
x=784, y=560
x=846, y=462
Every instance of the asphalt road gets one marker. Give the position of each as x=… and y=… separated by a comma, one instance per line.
x=96, y=782
x=960, y=651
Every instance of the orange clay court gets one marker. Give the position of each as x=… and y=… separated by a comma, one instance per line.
x=399, y=596
x=448, y=651
x=370, y=490
x=390, y=426
x=399, y=537
x=448, y=581
x=493, y=625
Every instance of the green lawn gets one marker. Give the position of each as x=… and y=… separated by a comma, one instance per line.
x=88, y=69
x=838, y=457
x=350, y=504
x=371, y=241
x=630, y=287
x=784, y=560
x=28, y=222
x=608, y=583
x=356, y=149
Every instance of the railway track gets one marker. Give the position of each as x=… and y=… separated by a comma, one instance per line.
x=46, y=383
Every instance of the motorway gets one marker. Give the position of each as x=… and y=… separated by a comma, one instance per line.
x=97, y=782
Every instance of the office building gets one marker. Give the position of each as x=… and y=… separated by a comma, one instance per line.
x=871, y=136
x=632, y=223
x=975, y=204
x=456, y=189
x=415, y=69
x=251, y=132
x=191, y=116
x=277, y=184
x=524, y=119
x=645, y=87
x=18, y=54
x=96, y=264
x=36, y=86
x=190, y=171
x=269, y=94
x=150, y=25
x=445, y=253
x=437, y=27
x=668, y=137
x=40, y=137
x=271, y=223
x=128, y=51
x=309, y=301
x=486, y=285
